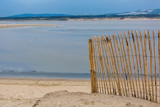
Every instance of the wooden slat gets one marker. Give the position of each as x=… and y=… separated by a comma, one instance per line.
x=145, y=81
x=92, y=67
x=97, y=64
x=114, y=59
x=150, y=50
x=155, y=66
x=133, y=65
x=135, y=50
x=101, y=66
x=119, y=71
x=105, y=68
x=159, y=58
x=106, y=62
x=114, y=64
x=90, y=59
x=120, y=49
x=95, y=67
x=132, y=81
x=128, y=76
x=94, y=78
x=143, y=87
x=108, y=54
x=146, y=64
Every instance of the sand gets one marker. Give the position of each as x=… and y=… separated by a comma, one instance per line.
x=60, y=93
x=24, y=25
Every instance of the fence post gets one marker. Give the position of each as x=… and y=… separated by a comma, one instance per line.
x=90, y=59
x=92, y=70
x=159, y=58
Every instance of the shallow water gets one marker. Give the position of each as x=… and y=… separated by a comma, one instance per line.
x=62, y=48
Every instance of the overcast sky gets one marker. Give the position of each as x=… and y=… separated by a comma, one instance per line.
x=12, y=7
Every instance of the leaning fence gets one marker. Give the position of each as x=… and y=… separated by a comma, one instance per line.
x=126, y=64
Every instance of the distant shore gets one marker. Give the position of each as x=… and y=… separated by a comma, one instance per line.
x=96, y=19
x=79, y=19
x=82, y=19
x=24, y=25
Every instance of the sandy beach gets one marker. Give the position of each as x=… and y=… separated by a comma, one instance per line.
x=60, y=93
x=43, y=42
x=23, y=25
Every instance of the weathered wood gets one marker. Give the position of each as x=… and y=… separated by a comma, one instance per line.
x=150, y=50
x=143, y=88
x=102, y=70
x=123, y=65
x=159, y=58
x=133, y=65
x=114, y=59
x=135, y=51
x=146, y=64
x=155, y=66
x=102, y=66
x=125, y=55
x=94, y=74
x=108, y=54
x=107, y=64
x=90, y=59
x=94, y=67
x=92, y=64
x=115, y=49
x=98, y=66
x=114, y=64
x=132, y=81
x=145, y=81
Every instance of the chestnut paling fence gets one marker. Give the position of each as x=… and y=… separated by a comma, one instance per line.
x=126, y=64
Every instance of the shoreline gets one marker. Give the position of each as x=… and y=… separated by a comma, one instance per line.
x=45, y=75
x=45, y=79
x=24, y=25
x=80, y=19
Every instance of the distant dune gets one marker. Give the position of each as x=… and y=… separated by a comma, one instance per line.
x=140, y=14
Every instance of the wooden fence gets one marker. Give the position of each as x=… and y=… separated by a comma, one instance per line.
x=126, y=64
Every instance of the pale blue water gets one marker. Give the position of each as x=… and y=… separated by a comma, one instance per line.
x=44, y=75
x=62, y=49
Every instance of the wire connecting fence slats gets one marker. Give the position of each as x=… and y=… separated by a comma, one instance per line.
x=126, y=64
